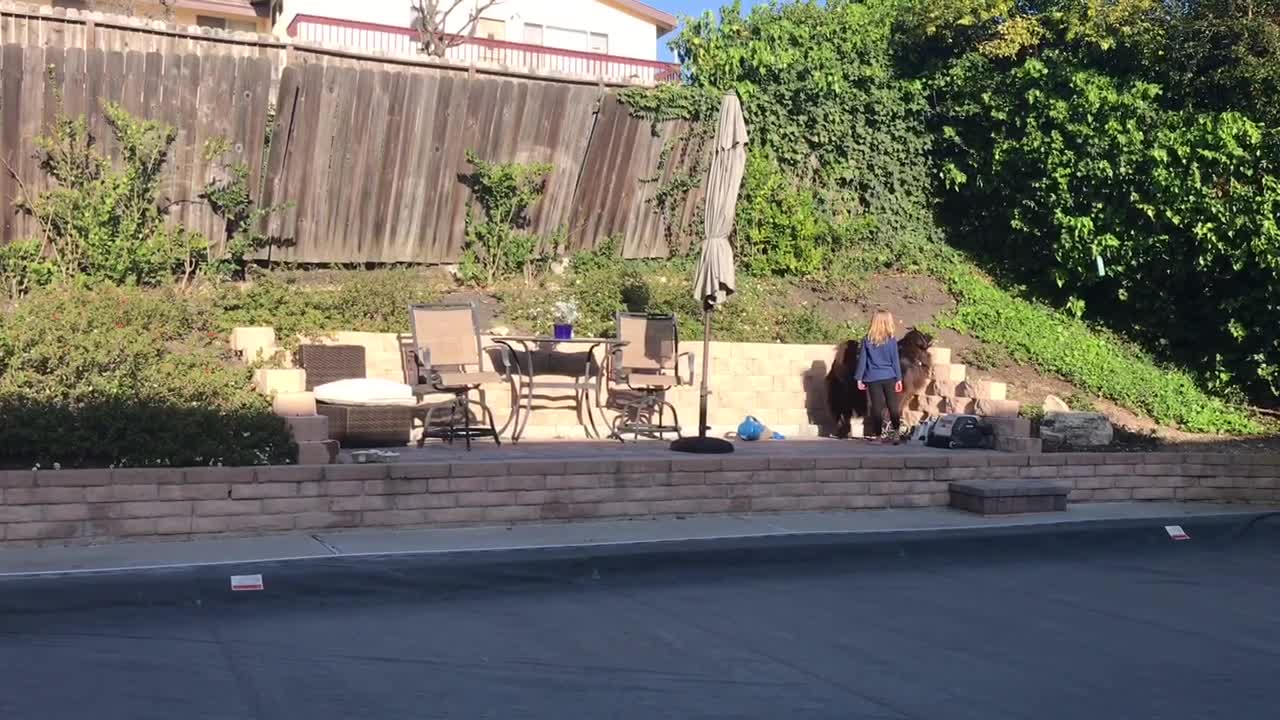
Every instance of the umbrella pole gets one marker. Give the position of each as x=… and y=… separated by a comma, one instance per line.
x=706, y=365
x=702, y=444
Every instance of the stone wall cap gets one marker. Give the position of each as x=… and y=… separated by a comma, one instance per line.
x=1010, y=488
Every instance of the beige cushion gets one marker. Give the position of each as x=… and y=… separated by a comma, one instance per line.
x=640, y=380
x=365, y=392
x=459, y=380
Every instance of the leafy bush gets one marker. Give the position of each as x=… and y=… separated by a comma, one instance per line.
x=1094, y=362
x=299, y=304
x=231, y=198
x=125, y=377
x=108, y=224
x=602, y=283
x=823, y=98
x=101, y=222
x=498, y=241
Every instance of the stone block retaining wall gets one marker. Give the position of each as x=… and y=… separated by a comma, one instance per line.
x=782, y=385
x=83, y=506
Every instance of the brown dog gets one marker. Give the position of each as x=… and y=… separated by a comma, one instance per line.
x=846, y=402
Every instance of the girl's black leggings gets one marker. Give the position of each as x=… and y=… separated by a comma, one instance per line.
x=882, y=395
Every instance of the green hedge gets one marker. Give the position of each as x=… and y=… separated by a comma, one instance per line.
x=110, y=377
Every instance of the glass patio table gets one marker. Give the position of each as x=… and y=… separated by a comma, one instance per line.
x=590, y=377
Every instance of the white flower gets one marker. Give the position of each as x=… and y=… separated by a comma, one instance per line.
x=567, y=312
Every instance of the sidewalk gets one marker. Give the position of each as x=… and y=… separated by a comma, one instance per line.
x=606, y=538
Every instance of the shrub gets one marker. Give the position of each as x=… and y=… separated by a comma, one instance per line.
x=298, y=304
x=102, y=222
x=1094, y=362
x=499, y=243
x=124, y=377
x=602, y=283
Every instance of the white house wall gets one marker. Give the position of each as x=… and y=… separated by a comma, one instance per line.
x=629, y=35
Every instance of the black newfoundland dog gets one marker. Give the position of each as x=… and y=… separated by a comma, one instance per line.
x=846, y=402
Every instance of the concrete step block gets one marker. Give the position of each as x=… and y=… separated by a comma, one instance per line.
x=308, y=428
x=294, y=404
x=1010, y=426
x=324, y=452
x=948, y=372
x=940, y=356
x=961, y=405
x=1027, y=445
x=943, y=387
x=254, y=344
x=983, y=390
x=270, y=381
x=997, y=408
x=931, y=404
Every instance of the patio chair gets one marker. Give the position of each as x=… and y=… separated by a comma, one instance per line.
x=450, y=360
x=648, y=365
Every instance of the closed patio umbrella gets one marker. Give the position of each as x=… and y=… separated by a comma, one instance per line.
x=715, y=280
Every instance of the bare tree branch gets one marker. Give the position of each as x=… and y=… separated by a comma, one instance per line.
x=137, y=8
x=431, y=21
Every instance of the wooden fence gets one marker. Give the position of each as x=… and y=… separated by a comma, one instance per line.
x=204, y=98
x=369, y=153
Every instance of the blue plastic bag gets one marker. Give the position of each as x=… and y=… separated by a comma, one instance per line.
x=750, y=429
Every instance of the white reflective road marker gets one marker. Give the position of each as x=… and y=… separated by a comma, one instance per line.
x=1176, y=532
x=241, y=583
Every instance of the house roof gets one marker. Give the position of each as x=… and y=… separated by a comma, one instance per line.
x=242, y=8
x=665, y=21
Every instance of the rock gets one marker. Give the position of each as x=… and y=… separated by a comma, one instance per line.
x=1053, y=403
x=1076, y=430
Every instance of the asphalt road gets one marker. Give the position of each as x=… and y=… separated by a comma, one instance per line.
x=1123, y=625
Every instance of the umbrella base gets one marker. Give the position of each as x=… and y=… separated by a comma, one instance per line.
x=702, y=445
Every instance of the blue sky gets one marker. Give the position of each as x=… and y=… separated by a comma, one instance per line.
x=687, y=7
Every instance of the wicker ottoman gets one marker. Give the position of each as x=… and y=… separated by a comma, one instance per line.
x=356, y=426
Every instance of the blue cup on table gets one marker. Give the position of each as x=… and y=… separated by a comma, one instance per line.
x=563, y=331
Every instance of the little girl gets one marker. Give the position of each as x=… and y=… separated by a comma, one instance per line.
x=879, y=373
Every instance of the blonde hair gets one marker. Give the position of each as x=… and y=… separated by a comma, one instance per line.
x=881, y=330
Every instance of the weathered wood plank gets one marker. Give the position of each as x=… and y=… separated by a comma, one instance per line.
x=281, y=224
x=11, y=80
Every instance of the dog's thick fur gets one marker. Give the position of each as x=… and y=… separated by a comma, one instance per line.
x=846, y=402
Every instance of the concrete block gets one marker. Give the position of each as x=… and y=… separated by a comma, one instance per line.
x=961, y=405
x=308, y=428
x=940, y=356
x=1023, y=445
x=931, y=404
x=317, y=453
x=294, y=404
x=983, y=390
x=997, y=408
x=253, y=343
x=1010, y=426
x=271, y=381
x=948, y=372
x=943, y=388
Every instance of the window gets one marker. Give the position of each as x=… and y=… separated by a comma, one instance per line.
x=598, y=43
x=566, y=39
x=491, y=29
x=532, y=34
x=219, y=23
x=211, y=22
